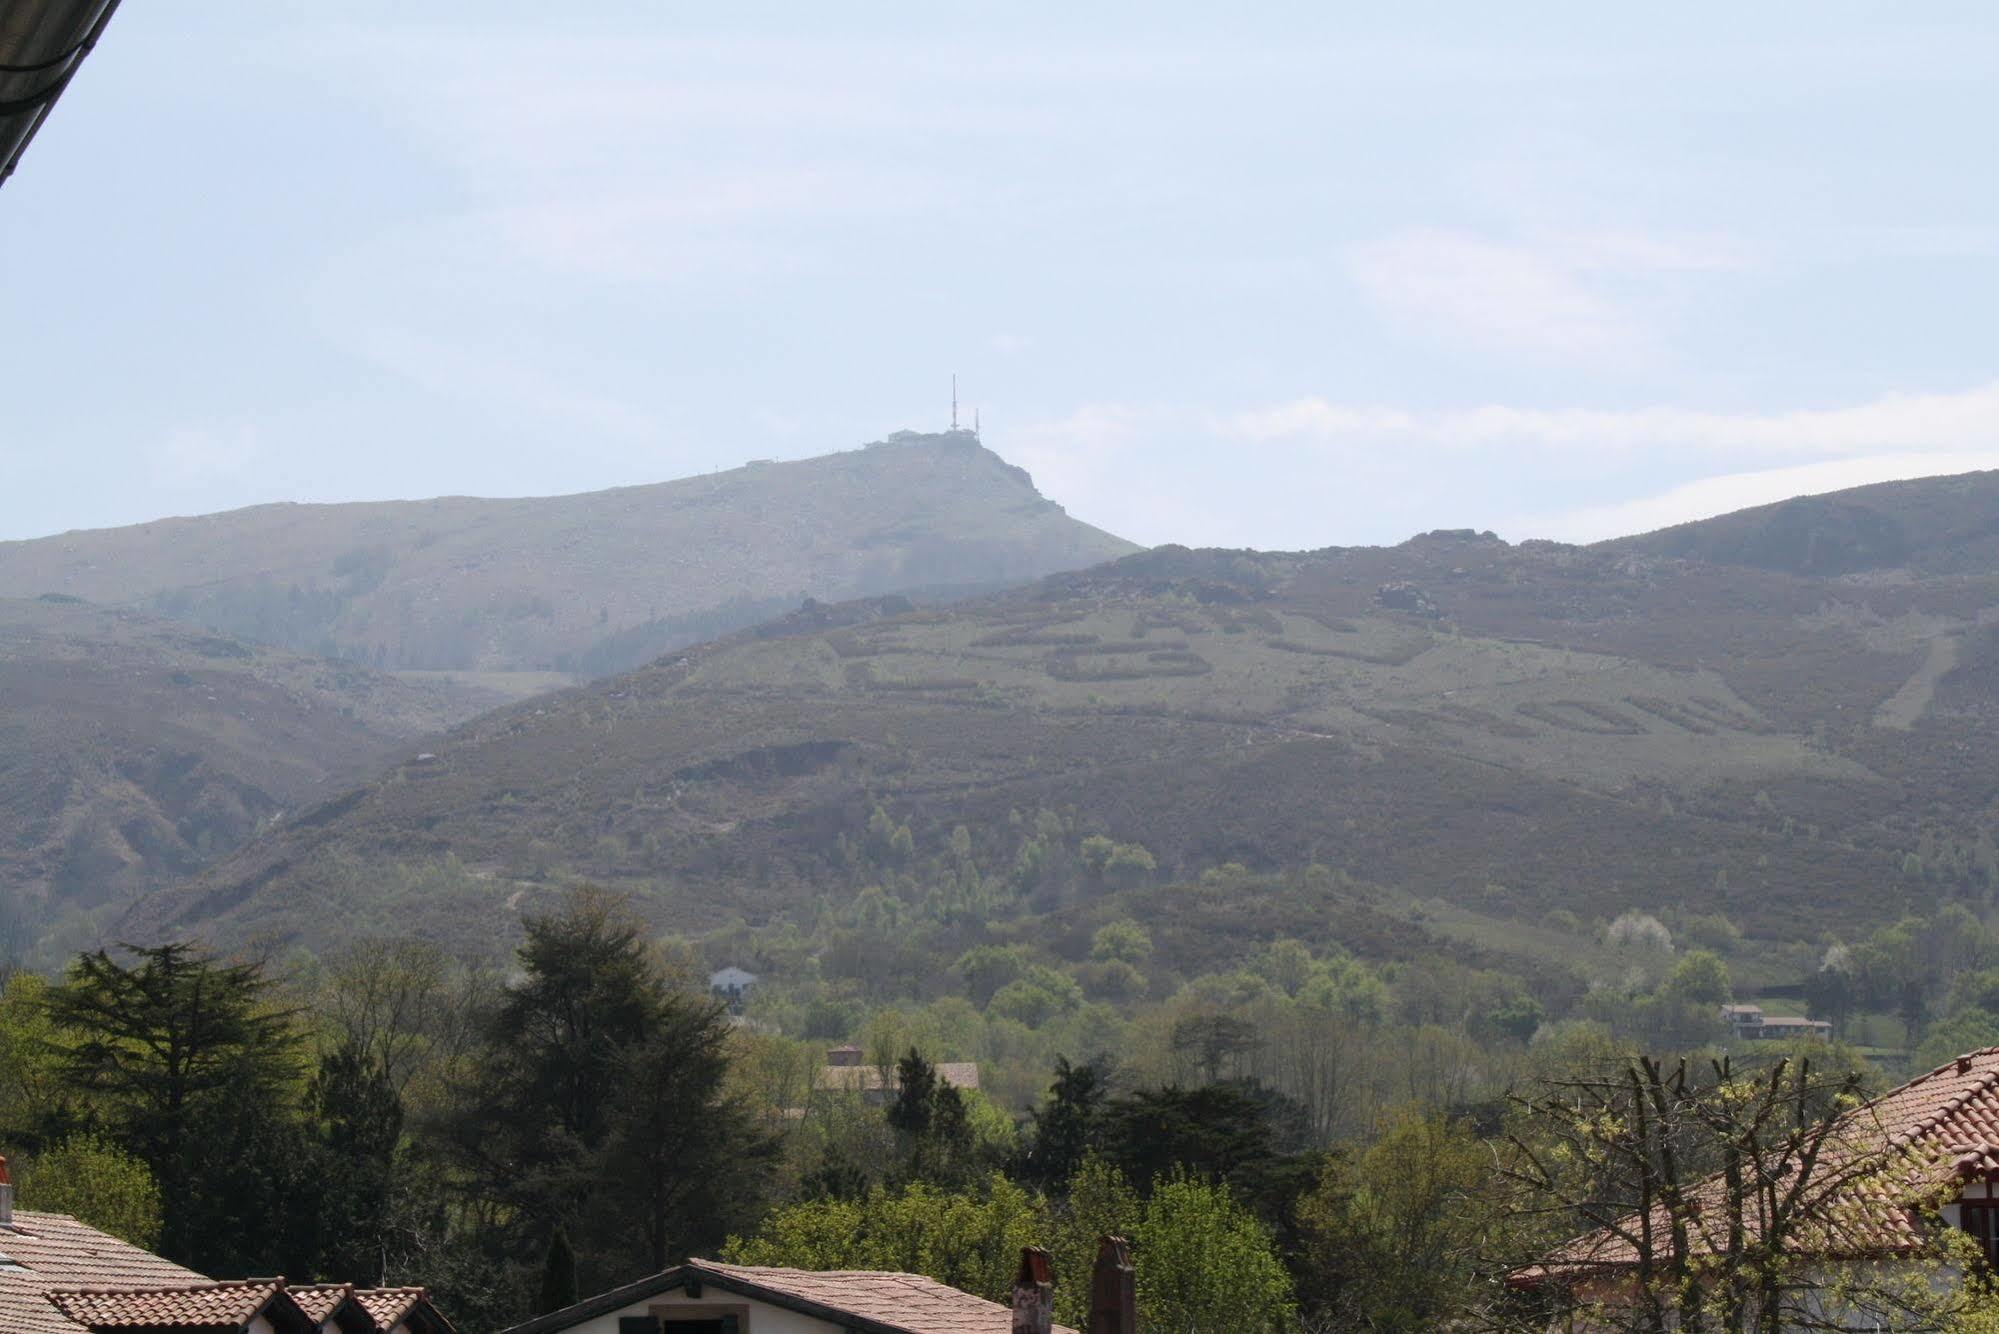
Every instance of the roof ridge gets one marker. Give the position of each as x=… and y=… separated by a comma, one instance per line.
x=1952, y=1105
x=206, y=1285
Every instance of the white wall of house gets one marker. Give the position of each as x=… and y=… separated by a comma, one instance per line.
x=758, y=1317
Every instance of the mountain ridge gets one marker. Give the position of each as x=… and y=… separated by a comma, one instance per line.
x=1514, y=728
x=586, y=582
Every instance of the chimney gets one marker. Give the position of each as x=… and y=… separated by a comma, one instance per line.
x=6, y=1196
x=1034, y=1293
x=1113, y=1289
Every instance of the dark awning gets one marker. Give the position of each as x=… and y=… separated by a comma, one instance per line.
x=41, y=44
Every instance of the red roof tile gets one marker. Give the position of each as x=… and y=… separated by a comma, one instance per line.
x=389, y=1306
x=319, y=1300
x=907, y=1302
x=205, y=1305
x=1884, y=1158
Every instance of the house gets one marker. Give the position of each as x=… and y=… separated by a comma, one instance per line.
x=251, y=1306
x=402, y=1311
x=708, y=1297
x=1749, y=1023
x=844, y=1072
x=60, y=1276
x=333, y=1308
x=732, y=985
x=1939, y=1133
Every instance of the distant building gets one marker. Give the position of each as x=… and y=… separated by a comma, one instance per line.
x=845, y=1072
x=1749, y=1023
x=732, y=984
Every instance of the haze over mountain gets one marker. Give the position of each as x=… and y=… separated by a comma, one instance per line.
x=584, y=583
x=1503, y=729
x=133, y=750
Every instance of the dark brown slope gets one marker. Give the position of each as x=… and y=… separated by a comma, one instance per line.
x=1516, y=727
x=588, y=583
x=134, y=751
x=1937, y=525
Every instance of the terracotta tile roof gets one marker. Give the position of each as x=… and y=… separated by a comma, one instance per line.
x=72, y=1254
x=25, y=1309
x=1884, y=1158
x=198, y=1306
x=387, y=1305
x=319, y=1300
x=909, y=1303
x=56, y=1251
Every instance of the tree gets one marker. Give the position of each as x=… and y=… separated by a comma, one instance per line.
x=1393, y=1235
x=1068, y=1126
x=1232, y=1134
x=176, y=1052
x=93, y=1180
x=969, y=1239
x=558, y=1274
x=601, y=1102
x=683, y=1158
x=358, y=1119
x=1717, y=1192
x=1121, y=941
x=1205, y=1263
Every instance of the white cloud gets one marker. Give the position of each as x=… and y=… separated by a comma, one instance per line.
x=1964, y=420
x=1558, y=296
x=1462, y=288
x=1734, y=491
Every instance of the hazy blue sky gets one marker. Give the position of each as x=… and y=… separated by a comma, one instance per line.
x=1247, y=275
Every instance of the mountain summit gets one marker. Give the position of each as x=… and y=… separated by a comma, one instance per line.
x=588, y=583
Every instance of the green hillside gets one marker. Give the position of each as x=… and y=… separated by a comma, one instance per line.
x=134, y=751
x=1512, y=730
x=585, y=584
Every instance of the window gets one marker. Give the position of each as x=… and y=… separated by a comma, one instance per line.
x=1981, y=1219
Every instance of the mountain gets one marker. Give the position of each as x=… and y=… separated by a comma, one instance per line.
x=1505, y=729
x=134, y=751
x=1938, y=525
x=588, y=583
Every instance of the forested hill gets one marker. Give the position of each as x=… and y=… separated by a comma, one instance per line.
x=589, y=583
x=1507, y=730
x=133, y=751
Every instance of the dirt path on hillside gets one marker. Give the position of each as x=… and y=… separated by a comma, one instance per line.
x=1901, y=709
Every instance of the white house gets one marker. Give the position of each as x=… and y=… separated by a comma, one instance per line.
x=732, y=984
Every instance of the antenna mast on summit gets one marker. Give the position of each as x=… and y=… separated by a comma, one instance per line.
x=954, y=400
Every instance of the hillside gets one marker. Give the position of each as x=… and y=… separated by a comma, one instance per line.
x=1937, y=525
x=1509, y=730
x=133, y=751
x=590, y=583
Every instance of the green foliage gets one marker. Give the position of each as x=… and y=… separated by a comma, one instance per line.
x=558, y=1274
x=1394, y=1235
x=1967, y=1030
x=1121, y=941
x=597, y=1087
x=186, y=1059
x=1206, y=1263
x=1699, y=977
x=970, y=1240
x=93, y=1180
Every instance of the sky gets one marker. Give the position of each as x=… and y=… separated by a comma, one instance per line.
x=1262, y=275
